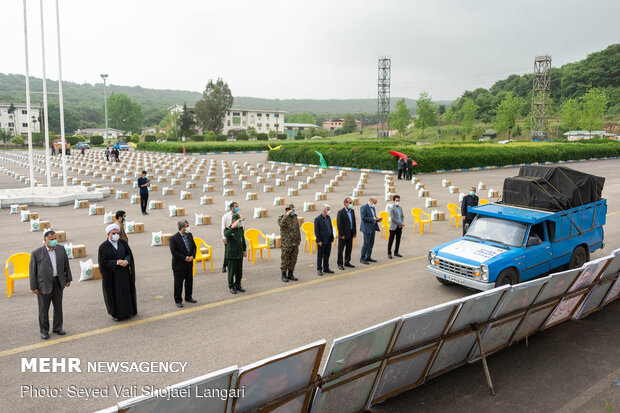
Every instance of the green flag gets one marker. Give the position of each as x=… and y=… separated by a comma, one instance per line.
x=323, y=162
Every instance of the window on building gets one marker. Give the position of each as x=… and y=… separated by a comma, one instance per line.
x=276, y=115
x=24, y=112
x=267, y=114
x=24, y=125
x=277, y=125
x=236, y=114
x=11, y=124
x=228, y=123
x=227, y=113
x=259, y=115
x=245, y=113
x=236, y=120
x=259, y=125
x=267, y=126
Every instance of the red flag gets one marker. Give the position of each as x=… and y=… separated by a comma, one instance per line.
x=184, y=153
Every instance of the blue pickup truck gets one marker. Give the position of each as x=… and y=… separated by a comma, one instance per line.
x=507, y=244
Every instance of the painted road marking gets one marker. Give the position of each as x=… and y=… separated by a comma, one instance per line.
x=207, y=306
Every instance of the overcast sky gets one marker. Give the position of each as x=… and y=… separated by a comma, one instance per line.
x=306, y=49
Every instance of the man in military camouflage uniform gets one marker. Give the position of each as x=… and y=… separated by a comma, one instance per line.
x=290, y=240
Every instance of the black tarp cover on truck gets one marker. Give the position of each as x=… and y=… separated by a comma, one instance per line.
x=554, y=188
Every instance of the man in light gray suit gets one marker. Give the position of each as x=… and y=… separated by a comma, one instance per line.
x=397, y=219
x=49, y=275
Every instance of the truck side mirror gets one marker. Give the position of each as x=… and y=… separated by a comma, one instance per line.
x=533, y=241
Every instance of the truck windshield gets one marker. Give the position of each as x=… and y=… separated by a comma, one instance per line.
x=498, y=230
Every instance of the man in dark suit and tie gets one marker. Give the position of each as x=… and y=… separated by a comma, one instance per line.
x=470, y=200
x=370, y=225
x=183, y=251
x=345, y=221
x=49, y=275
x=324, y=233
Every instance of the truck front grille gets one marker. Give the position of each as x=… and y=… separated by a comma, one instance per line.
x=455, y=268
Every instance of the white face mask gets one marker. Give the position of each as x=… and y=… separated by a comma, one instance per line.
x=115, y=237
x=187, y=231
x=328, y=211
x=397, y=203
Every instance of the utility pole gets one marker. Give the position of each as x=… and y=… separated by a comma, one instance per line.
x=438, y=127
x=105, y=105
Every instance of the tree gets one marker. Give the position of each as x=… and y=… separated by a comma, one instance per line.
x=169, y=123
x=594, y=104
x=507, y=112
x=300, y=118
x=18, y=140
x=186, y=121
x=468, y=113
x=349, y=125
x=124, y=114
x=5, y=135
x=571, y=114
x=448, y=117
x=401, y=118
x=211, y=109
x=426, y=111
x=252, y=132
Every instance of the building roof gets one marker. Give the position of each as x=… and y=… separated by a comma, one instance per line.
x=21, y=104
x=584, y=132
x=301, y=125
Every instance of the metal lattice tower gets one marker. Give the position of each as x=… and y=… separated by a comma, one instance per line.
x=383, y=98
x=541, y=91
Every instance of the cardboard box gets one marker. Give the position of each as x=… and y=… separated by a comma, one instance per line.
x=304, y=185
x=300, y=220
x=330, y=189
x=84, y=204
x=433, y=202
x=206, y=220
x=124, y=195
x=188, y=195
x=165, y=239
x=139, y=227
x=282, y=183
x=43, y=225
x=356, y=201
x=169, y=191
x=360, y=192
x=208, y=201
x=79, y=251
x=33, y=215
x=210, y=188
x=494, y=194
x=264, y=213
x=294, y=192
x=361, y=186
x=96, y=272
x=311, y=206
x=277, y=243
x=243, y=177
x=247, y=185
x=23, y=208
x=159, y=205
x=180, y=212
x=61, y=236
x=112, y=191
x=446, y=184
x=441, y=216
x=229, y=192
x=190, y=185
x=311, y=180
x=392, y=189
x=425, y=193
x=175, y=181
x=322, y=197
x=268, y=188
x=100, y=210
x=260, y=179
x=253, y=196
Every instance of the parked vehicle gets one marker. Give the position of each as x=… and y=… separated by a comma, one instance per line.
x=81, y=145
x=122, y=146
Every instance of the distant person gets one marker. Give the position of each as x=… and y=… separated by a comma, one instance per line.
x=107, y=154
x=290, y=237
x=143, y=185
x=470, y=200
x=324, y=233
x=49, y=274
x=409, y=168
x=397, y=218
x=345, y=222
x=53, y=150
x=233, y=208
x=183, y=250
x=82, y=150
x=121, y=218
x=370, y=225
x=235, y=252
x=118, y=275
x=401, y=168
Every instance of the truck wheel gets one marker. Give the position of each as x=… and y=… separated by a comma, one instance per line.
x=506, y=277
x=442, y=281
x=578, y=258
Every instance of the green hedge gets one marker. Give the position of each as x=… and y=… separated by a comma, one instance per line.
x=96, y=140
x=227, y=146
x=437, y=157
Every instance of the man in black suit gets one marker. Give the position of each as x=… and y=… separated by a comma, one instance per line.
x=49, y=275
x=470, y=200
x=345, y=221
x=183, y=251
x=324, y=233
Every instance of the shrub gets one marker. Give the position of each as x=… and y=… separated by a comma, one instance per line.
x=18, y=140
x=242, y=136
x=96, y=140
x=262, y=136
x=220, y=138
x=150, y=138
x=172, y=139
x=73, y=139
x=209, y=136
x=281, y=136
x=299, y=137
x=197, y=138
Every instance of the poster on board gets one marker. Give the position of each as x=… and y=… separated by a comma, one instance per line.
x=595, y=300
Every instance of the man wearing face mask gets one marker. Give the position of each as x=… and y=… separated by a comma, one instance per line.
x=143, y=184
x=324, y=233
x=49, y=275
x=290, y=238
x=370, y=225
x=118, y=275
x=121, y=218
x=396, y=226
x=183, y=249
x=345, y=221
x=235, y=252
x=233, y=208
x=470, y=200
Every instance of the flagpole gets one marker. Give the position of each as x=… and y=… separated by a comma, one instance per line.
x=30, y=155
x=61, y=104
x=47, y=130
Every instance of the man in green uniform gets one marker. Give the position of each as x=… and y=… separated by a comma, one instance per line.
x=291, y=238
x=235, y=252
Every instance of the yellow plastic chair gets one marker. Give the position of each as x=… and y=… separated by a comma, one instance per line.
x=201, y=256
x=417, y=217
x=454, y=214
x=308, y=229
x=483, y=201
x=335, y=226
x=385, y=223
x=21, y=270
x=252, y=236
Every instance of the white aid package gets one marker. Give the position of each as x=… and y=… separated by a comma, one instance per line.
x=172, y=209
x=107, y=218
x=34, y=225
x=92, y=210
x=156, y=239
x=14, y=209
x=25, y=216
x=257, y=212
x=69, y=250
x=86, y=270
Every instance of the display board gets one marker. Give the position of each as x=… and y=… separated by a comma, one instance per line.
x=454, y=351
x=594, y=300
x=277, y=376
x=188, y=396
x=409, y=369
x=351, y=392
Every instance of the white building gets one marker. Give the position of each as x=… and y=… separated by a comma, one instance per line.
x=88, y=132
x=17, y=122
x=239, y=119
